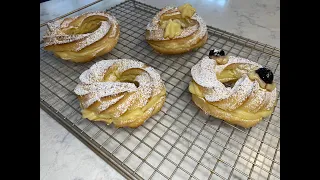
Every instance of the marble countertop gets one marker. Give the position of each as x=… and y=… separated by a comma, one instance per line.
x=62, y=156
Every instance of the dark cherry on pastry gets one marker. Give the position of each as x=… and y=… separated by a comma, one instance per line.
x=216, y=52
x=265, y=74
x=219, y=56
x=265, y=78
x=233, y=92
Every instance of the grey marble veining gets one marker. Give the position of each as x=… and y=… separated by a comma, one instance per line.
x=64, y=157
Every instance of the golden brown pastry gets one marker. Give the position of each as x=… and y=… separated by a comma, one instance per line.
x=124, y=92
x=176, y=30
x=82, y=38
x=233, y=89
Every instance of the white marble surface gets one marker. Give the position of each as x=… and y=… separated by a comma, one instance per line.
x=64, y=157
x=254, y=19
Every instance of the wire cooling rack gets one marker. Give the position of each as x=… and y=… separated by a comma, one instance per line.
x=180, y=142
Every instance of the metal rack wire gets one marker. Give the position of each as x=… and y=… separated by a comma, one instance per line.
x=180, y=142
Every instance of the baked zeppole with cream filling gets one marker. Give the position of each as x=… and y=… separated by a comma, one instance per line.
x=122, y=91
x=233, y=89
x=176, y=30
x=82, y=38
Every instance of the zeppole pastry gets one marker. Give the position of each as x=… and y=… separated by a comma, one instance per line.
x=82, y=38
x=176, y=30
x=233, y=89
x=123, y=92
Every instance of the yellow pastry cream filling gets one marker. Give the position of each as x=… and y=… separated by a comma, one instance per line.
x=88, y=25
x=229, y=76
x=135, y=113
x=172, y=29
x=130, y=115
x=186, y=10
x=241, y=112
x=174, y=23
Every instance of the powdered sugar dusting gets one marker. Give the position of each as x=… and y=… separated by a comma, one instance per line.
x=157, y=82
x=123, y=107
x=156, y=19
x=102, y=89
x=94, y=37
x=204, y=74
x=256, y=98
x=126, y=64
x=96, y=71
x=106, y=104
x=59, y=37
x=93, y=88
x=66, y=22
x=145, y=88
x=202, y=25
x=237, y=60
x=241, y=91
x=273, y=99
x=55, y=35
